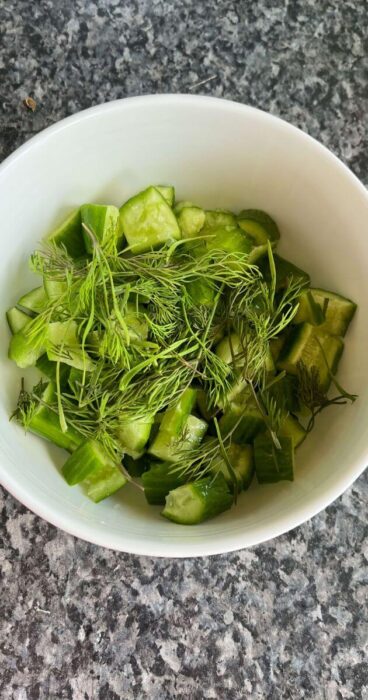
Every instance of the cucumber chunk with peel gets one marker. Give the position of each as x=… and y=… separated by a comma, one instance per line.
x=338, y=311
x=198, y=501
x=148, y=222
x=168, y=193
x=100, y=225
x=168, y=446
x=159, y=480
x=273, y=464
x=42, y=418
x=69, y=235
x=91, y=466
x=35, y=300
x=17, y=319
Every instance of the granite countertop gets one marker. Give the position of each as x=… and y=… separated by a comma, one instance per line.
x=287, y=619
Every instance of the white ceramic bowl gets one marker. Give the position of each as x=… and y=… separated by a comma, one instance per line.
x=219, y=154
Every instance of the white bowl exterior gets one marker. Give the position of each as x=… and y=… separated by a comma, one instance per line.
x=218, y=154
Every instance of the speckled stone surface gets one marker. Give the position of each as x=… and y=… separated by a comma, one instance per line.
x=284, y=620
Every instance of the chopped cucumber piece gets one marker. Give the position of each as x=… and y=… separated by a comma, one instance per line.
x=258, y=252
x=285, y=393
x=89, y=457
x=136, y=322
x=63, y=345
x=23, y=350
x=338, y=311
x=290, y=427
x=168, y=193
x=261, y=229
x=191, y=221
x=269, y=364
x=133, y=436
x=203, y=405
x=309, y=310
x=202, y=292
x=230, y=351
x=193, y=503
x=69, y=235
x=216, y=218
x=75, y=380
x=247, y=419
x=169, y=447
x=93, y=467
x=137, y=467
x=273, y=464
x=230, y=239
x=241, y=460
x=48, y=369
x=239, y=393
x=102, y=221
x=17, y=319
x=258, y=225
x=276, y=344
x=42, y=418
x=104, y=484
x=54, y=288
x=174, y=418
x=136, y=327
x=35, y=300
x=159, y=480
x=304, y=345
x=183, y=204
x=147, y=221
x=285, y=272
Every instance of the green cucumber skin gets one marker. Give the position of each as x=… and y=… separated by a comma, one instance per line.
x=87, y=458
x=44, y=422
x=205, y=499
x=159, y=480
x=100, y=486
x=339, y=313
x=285, y=392
x=266, y=470
x=174, y=418
x=263, y=219
x=309, y=310
x=242, y=462
x=92, y=467
x=285, y=270
x=47, y=426
x=290, y=427
x=17, y=319
x=103, y=222
x=250, y=424
x=302, y=346
x=69, y=235
x=48, y=369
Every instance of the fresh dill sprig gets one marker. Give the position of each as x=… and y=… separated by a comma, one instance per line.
x=313, y=395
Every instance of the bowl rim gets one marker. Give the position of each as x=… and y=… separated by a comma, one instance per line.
x=232, y=540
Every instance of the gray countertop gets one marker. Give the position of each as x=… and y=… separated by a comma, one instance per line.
x=287, y=619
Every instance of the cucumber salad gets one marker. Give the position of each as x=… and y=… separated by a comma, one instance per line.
x=177, y=351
